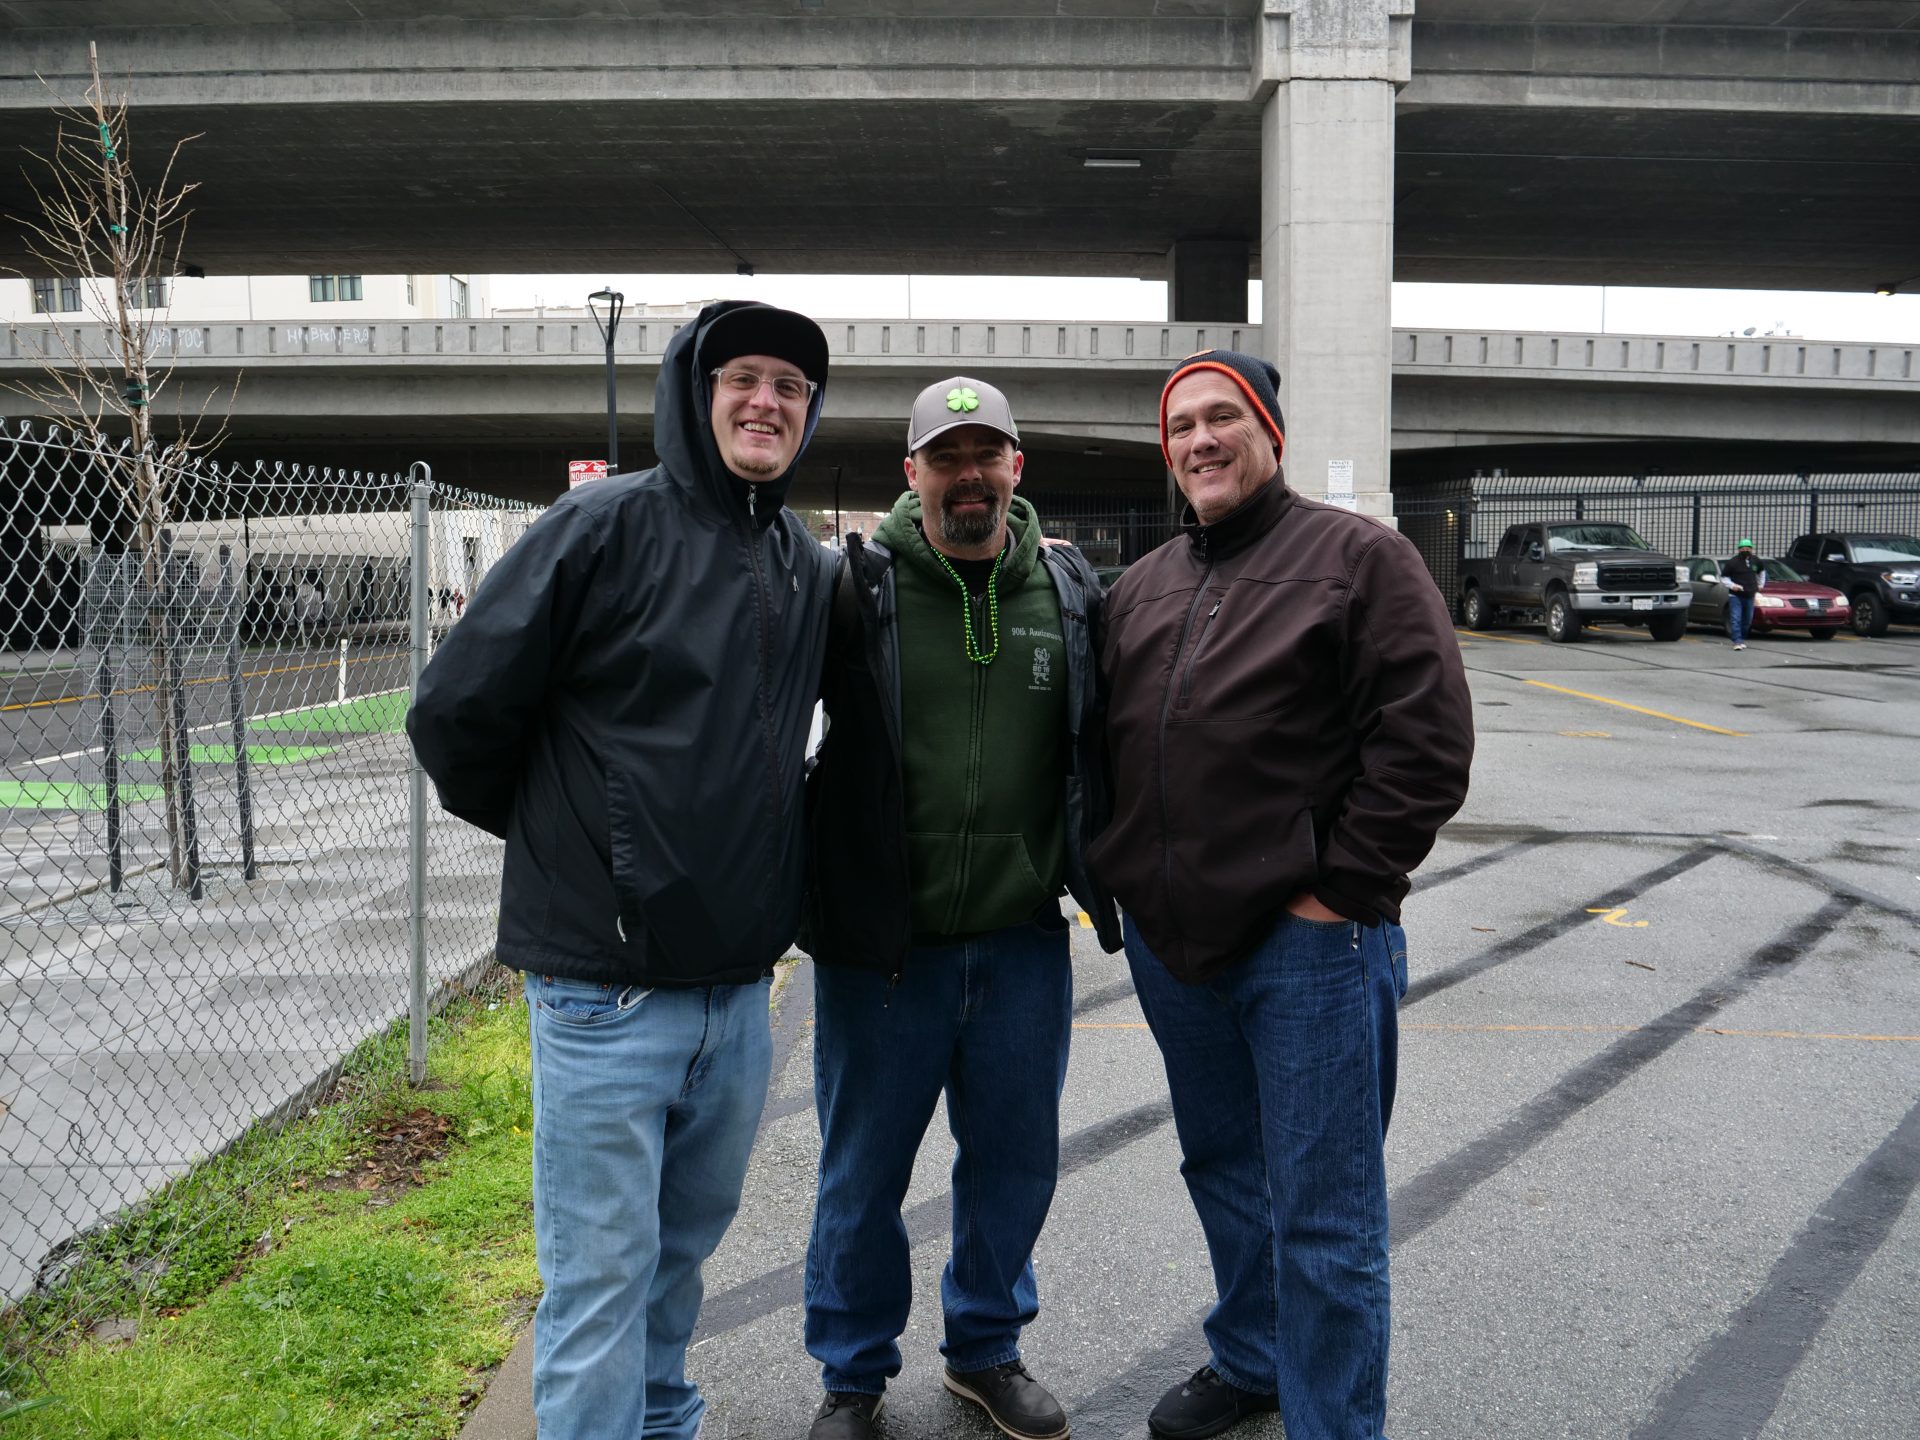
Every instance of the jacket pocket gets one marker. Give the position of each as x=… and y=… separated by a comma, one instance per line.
x=967, y=883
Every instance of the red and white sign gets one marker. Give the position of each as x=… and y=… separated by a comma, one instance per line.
x=581, y=471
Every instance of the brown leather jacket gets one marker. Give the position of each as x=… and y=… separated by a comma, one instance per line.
x=1288, y=712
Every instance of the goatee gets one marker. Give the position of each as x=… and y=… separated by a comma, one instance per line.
x=964, y=532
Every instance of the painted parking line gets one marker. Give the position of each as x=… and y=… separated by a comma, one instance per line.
x=1638, y=709
x=1504, y=639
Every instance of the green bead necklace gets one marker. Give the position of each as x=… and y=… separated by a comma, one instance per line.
x=966, y=607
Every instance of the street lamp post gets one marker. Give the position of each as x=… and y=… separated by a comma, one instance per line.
x=609, y=302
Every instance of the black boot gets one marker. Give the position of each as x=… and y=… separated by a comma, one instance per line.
x=846, y=1415
x=1206, y=1405
x=1019, y=1404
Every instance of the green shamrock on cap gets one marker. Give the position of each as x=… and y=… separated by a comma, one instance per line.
x=962, y=397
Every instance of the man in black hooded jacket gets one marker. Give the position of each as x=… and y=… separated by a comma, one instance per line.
x=626, y=701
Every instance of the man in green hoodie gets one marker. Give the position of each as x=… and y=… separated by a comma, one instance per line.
x=955, y=797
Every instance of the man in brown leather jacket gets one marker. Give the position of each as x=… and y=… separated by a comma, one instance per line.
x=1290, y=726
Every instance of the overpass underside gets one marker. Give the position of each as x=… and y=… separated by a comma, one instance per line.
x=1326, y=146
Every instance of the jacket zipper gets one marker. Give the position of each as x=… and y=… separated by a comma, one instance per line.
x=1206, y=629
x=766, y=717
x=1166, y=708
x=975, y=729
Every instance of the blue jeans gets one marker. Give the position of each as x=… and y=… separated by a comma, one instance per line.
x=1281, y=1071
x=645, y=1104
x=987, y=1021
x=1740, y=616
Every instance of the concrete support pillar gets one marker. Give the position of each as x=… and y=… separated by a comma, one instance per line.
x=1207, y=281
x=1328, y=71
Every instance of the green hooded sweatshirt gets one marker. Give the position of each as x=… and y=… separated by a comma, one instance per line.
x=983, y=746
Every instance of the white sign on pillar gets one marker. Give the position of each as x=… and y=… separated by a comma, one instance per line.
x=1340, y=484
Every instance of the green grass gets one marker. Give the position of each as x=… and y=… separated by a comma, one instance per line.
x=256, y=754
x=369, y=715
x=305, y=1309
x=68, y=795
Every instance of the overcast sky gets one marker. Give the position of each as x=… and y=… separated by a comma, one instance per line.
x=1816, y=315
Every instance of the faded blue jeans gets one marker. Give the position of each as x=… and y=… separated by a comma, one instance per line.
x=987, y=1021
x=645, y=1104
x=1282, y=1073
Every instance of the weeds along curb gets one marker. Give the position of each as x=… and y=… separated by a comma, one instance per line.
x=106, y=1271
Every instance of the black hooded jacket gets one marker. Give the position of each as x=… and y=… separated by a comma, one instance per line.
x=626, y=701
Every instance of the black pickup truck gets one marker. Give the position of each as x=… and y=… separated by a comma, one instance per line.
x=1879, y=573
x=1576, y=573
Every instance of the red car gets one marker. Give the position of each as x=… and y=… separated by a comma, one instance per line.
x=1786, y=602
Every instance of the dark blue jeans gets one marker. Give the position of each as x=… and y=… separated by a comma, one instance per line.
x=1281, y=1071
x=987, y=1021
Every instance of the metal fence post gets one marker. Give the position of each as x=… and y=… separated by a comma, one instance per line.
x=422, y=492
x=232, y=610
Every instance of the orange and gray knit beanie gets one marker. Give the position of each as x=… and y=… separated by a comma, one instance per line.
x=1256, y=377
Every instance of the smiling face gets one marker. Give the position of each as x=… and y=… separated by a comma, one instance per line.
x=965, y=478
x=758, y=433
x=1221, y=451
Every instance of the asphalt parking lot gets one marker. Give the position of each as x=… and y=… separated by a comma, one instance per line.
x=1658, y=1132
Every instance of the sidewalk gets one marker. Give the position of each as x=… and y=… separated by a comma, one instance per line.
x=141, y=1032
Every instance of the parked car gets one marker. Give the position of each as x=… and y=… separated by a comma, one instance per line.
x=1573, y=574
x=1788, y=601
x=1879, y=574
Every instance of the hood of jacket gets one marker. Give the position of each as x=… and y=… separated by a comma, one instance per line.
x=901, y=533
x=683, y=426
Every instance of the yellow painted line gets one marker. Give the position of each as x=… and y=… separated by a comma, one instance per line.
x=1638, y=709
x=1085, y=923
x=203, y=680
x=1504, y=639
x=1634, y=1029
x=1616, y=915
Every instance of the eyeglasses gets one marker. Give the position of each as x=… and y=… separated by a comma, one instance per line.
x=790, y=388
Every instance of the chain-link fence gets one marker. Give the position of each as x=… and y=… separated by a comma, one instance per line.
x=222, y=873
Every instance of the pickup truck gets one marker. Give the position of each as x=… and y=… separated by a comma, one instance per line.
x=1576, y=573
x=1878, y=573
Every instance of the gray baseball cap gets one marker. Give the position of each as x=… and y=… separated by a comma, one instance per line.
x=961, y=400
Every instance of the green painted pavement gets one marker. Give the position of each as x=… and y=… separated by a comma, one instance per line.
x=68, y=795
x=256, y=754
x=369, y=715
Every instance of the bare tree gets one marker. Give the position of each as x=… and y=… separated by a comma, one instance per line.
x=101, y=227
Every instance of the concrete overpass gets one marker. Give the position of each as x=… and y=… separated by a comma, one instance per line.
x=1326, y=145
x=1764, y=142
x=502, y=405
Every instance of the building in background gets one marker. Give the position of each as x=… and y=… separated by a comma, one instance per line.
x=324, y=299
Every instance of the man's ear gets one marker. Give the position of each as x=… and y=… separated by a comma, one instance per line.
x=1019, y=462
x=913, y=476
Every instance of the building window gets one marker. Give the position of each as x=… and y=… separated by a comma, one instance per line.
x=50, y=296
x=457, y=289
x=409, y=289
x=151, y=293
x=322, y=288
